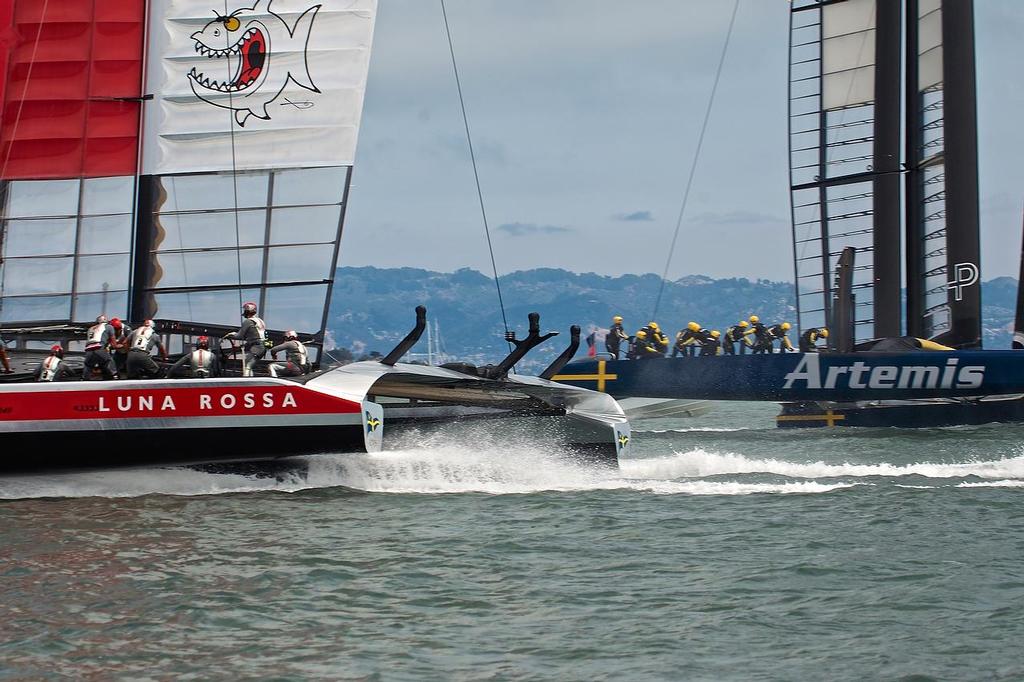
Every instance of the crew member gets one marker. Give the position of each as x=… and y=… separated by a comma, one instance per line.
x=616, y=335
x=762, y=343
x=119, y=344
x=641, y=347
x=3, y=357
x=295, y=354
x=709, y=344
x=201, y=362
x=655, y=338
x=53, y=367
x=140, y=363
x=777, y=332
x=687, y=340
x=97, y=339
x=809, y=338
x=253, y=335
x=733, y=335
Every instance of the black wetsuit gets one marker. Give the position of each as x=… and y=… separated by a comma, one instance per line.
x=762, y=342
x=808, y=340
x=733, y=335
x=643, y=349
x=686, y=343
x=777, y=333
x=657, y=341
x=613, y=340
x=708, y=344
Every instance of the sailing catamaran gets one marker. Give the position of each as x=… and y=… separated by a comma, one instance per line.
x=170, y=160
x=851, y=104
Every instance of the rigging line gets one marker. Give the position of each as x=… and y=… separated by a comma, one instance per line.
x=234, y=169
x=14, y=136
x=476, y=175
x=696, y=158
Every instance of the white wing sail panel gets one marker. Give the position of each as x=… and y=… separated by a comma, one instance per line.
x=255, y=85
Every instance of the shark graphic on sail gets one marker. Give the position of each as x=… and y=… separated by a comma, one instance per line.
x=247, y=40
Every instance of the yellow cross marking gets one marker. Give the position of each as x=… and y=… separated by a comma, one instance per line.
x=600, y=377
x=623, y=440
x=829, y=417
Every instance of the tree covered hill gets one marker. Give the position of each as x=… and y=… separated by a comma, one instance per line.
x=372, y=308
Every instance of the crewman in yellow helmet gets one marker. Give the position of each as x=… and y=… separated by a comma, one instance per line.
x=809, y=338
x=615, y=336
x=642, y=348
x=709, y=345
x=733, y=335
x=762, y=342
x=657, y=340
x=777, y=332
x=687, y=340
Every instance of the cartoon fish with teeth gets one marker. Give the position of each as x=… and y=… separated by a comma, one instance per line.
x=245, y=38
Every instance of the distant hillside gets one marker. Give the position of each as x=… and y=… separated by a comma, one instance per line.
x=372, y=308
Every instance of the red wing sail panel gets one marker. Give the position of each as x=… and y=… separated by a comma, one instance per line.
x=73, y=73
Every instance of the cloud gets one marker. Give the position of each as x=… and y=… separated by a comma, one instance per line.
x=635, y=216
x=736, y=218
x=525, y=229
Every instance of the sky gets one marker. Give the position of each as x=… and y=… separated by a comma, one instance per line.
x=585, y=117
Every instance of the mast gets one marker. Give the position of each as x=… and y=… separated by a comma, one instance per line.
x=943, y=245
x=844, y=131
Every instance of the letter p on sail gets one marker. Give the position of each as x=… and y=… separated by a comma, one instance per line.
x=964, y=275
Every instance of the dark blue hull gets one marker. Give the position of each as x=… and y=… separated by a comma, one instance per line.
x=794, y=377
x=912, y=414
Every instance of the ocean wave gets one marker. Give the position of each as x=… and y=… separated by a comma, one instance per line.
x=142, y=481
x=1006, y=483
x=693, y=429
x=700, y=463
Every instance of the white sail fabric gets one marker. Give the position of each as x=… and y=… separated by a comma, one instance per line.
x=929, y=37
x=848, y=53
x=254, y=84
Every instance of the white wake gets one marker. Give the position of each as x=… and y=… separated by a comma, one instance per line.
x=700, y=463
x=455, y=469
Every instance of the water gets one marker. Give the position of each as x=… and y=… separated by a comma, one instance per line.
x=730, y=551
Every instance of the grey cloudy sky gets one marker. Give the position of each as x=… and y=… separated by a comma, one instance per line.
x=585, y=117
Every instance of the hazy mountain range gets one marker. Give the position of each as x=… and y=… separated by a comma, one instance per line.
x=372, y=308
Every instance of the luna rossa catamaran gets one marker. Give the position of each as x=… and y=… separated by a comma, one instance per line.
x=169, y=161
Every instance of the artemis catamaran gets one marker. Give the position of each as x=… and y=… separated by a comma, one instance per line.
x=884, y=190
x=169, y=160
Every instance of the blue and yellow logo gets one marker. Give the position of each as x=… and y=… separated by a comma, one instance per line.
x=623, y=441
x=371, y=423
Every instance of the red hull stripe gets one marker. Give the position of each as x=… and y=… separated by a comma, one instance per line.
x=67, y=70
x=147, y=403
